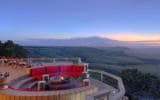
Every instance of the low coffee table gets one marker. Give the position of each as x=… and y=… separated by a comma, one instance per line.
x=59, y=82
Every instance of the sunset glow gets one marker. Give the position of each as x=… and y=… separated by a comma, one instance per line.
x=150, y=43
x=133, y=37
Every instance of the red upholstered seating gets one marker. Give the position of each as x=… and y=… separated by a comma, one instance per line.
x=26, y=89
x=66, y=70
x=77, y=70
x=38, y=77
x=74, y=71
x=38, y=72
x=23, y=89
x=52, y=70
x=11, y=87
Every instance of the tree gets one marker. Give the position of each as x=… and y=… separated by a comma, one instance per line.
x=10, y=49
x=138, y=83
x=1, y=47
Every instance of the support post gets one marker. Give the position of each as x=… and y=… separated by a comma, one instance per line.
x=54, y=60
x=101, y=77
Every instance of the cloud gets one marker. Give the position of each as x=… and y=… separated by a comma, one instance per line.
x=133, y=37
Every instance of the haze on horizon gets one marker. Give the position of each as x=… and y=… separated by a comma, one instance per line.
x=123, y=20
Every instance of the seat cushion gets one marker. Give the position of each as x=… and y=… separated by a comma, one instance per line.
x=77, y=70
x=38, y=71
x=52, y=70
x=66, y=70
x=38, y=77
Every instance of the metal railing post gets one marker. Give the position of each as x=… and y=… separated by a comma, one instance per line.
x=121, y=88
x=54, y=60
x=79, y=61
x=101, y=77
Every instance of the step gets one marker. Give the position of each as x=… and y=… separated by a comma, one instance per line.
x=23, y=82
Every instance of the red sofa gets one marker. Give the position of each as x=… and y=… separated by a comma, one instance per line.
x=74, y=71
x=52, y=70
x=38, y=72
x=66, y=70
x=77, y=70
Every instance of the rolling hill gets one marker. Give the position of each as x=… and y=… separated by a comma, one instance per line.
x=106, y=58
x=87, y=41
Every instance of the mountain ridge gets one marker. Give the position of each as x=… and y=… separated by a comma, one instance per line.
x=94, y=41
x=86, y=41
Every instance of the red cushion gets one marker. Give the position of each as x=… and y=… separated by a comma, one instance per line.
x=76, y=74
x=38, y=71
x=80, y=68
x=52, y=74
x=77, y=70
x=38, y=77
x=26, y=89
x=65, y=73
x=11, y=87
x=52, y=70
x=65, y=70
x=73, y=70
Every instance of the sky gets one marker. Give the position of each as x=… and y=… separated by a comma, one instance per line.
x=125, y=20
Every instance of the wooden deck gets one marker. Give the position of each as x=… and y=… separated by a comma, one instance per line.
x=14, y=72
x=70, y=94
x=96, y=88
x=11, y=94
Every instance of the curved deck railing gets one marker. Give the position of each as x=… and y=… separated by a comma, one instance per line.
x=120, y=87
x=117, y=96
x=41, y=61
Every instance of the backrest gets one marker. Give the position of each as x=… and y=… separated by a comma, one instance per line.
x=51, y=69
x=66, y=68
x=78, y=68
x=38, y=71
